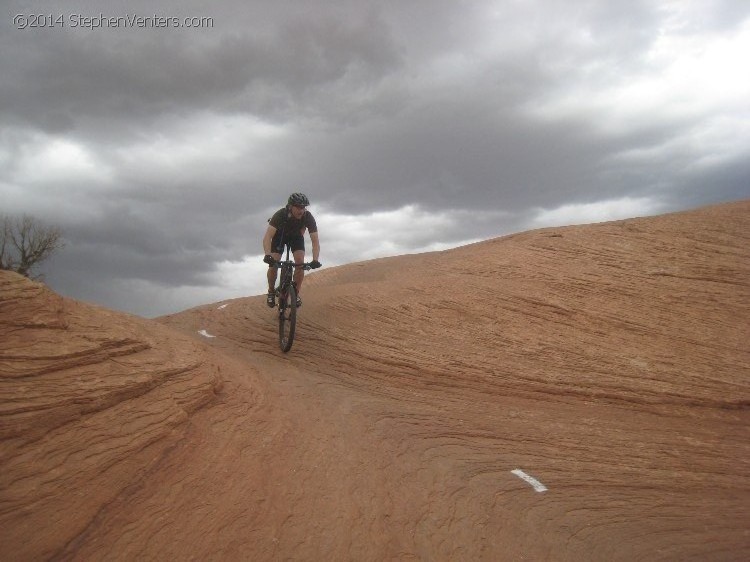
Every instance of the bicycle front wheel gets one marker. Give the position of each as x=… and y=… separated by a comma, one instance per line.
x=287, y=318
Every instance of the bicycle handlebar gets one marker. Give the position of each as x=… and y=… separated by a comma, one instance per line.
x=306, y=265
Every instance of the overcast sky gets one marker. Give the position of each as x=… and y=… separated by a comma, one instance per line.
x=161, y=151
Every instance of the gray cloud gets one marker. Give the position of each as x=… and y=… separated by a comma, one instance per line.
x=65, y=80
x=411, y=125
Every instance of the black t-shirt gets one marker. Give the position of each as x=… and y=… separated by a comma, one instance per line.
x=283, y=218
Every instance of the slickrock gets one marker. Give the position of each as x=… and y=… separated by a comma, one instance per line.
x=577, y=393
x=90, y=401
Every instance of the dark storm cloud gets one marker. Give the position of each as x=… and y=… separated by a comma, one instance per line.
x=60, y=80
x=412, y=125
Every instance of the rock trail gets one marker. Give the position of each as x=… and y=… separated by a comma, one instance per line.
x=609, y=362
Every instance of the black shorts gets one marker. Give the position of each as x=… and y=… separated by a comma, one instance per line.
x=294, y=242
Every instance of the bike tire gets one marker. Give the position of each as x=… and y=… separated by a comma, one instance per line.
x=287, y=318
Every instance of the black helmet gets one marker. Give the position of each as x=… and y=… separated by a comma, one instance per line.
x=299, y=199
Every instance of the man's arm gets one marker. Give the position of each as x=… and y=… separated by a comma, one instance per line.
x=315, y=245
x=267, y=239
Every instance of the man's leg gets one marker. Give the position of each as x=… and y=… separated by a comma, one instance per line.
x=299, y=273
x=272, y=274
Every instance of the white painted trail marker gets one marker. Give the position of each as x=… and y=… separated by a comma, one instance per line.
x=205, y=334
x=538, y=486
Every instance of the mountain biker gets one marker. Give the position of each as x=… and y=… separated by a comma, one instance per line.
x=287, y=227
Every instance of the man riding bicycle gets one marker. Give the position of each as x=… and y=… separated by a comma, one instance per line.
x=287, y=228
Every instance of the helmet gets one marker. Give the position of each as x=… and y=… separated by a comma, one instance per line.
x=299, y=199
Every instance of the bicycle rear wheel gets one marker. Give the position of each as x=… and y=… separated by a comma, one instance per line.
x=287, y=318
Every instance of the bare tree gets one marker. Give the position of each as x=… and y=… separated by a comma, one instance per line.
x=25, y=242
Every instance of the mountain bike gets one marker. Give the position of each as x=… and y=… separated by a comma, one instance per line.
x=287, y=301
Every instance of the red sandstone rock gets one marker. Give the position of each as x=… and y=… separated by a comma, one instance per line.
x=609, y=362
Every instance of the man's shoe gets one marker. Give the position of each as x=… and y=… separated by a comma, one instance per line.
x=271, y=300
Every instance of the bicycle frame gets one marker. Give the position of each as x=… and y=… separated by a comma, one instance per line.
x=287, y=301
